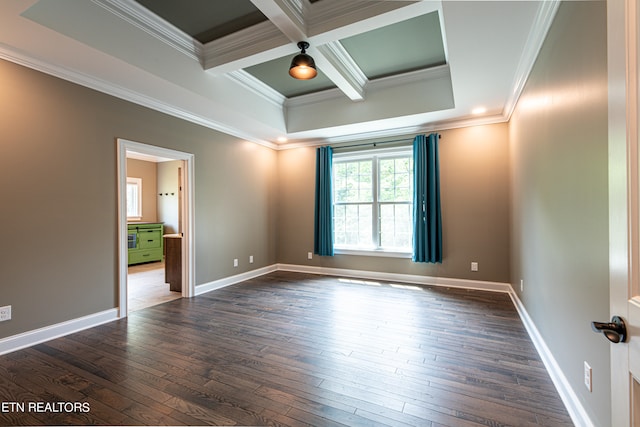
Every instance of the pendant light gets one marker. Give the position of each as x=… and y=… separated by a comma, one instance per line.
x=302, y=65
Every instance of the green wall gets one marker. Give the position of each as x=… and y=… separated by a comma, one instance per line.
x=558, y=145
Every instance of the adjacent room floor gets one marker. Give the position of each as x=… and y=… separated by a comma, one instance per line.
x=146, y=286
x=295, y=349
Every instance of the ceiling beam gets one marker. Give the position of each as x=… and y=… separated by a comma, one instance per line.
x=250, y=46
x=287, y=15
x=337, y=64
x=289, y=22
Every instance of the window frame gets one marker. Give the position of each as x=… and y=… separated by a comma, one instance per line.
x=375, y=154
x=138, y=183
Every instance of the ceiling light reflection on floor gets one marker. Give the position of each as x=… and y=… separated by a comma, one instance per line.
x=373, y=283
x=359, y=282
x=411, y=287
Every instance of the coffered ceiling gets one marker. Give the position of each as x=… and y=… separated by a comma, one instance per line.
x=385, y=68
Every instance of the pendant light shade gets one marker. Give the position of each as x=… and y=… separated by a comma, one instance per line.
x=302, y=65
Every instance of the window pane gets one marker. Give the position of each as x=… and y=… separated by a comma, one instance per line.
x=396, y=179
x=339, y=225
x=134, y=201
x=396, y=228
x=353, y=181
x=382, y=182
x=352, y=225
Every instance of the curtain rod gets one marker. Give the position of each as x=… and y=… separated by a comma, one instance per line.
x=379, y=142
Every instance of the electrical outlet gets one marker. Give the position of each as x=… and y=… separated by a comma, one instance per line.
x=309, y=255
x=587, y=376
x=250, y=259
x=5, y=313
x=474, y=266
x=235, y=262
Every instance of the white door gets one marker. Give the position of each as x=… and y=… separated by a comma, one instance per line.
x=624, y=195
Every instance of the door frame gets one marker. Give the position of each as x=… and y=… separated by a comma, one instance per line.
x=188, y=241
x=623, y=24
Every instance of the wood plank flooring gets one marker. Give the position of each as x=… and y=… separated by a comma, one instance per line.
x=291, y=349
x=146, y=286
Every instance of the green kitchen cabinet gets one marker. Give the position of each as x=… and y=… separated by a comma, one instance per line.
x=145, y=242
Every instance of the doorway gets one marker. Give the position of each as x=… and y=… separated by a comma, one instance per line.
x=180, y=225
x=623, y=47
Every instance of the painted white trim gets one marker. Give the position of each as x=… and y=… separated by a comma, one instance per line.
x=340, y=68
x=125, y=93
x=189, y=218
x=570, y=399
x=418, y=76
x=364, y=274
x=372, y=252
x=244, y=48
x=37, y=336
x=258, y=87
x=338, y=55
x=544, y=18
x=398, y=277
x=152, y=24
x=232, y=280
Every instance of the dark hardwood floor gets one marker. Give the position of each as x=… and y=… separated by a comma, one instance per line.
x=293, y=349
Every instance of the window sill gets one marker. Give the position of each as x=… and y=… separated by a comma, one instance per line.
x=372, y=252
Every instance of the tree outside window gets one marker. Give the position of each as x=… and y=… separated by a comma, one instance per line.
x=373, y=201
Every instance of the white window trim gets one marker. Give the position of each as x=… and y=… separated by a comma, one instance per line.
x=371, y=252
x=363, y=155
x=138, y=183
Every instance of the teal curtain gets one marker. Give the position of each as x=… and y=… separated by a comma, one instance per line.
x=323, y=226
x=427, y=220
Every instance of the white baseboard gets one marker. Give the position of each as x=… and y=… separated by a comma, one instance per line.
x=571, y=401
x=403, y=278
x=568, y=396
x=232, y=280
x=37, y=336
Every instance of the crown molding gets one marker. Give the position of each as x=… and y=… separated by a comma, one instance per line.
x=296, y=9
x=398, y=132
x=419, y=76
x=544, y=18
x=256, y=86
x=125, y=94
x=152, y=24
x=344, y=64
x=219, y=55
x=314, y=97
x=329, y=14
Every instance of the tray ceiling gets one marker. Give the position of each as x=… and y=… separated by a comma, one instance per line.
x=385, y=68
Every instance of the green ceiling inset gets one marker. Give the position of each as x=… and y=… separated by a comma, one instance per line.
x=409, y=45
x=275, y=73
x=206, y=20
x=414, y=44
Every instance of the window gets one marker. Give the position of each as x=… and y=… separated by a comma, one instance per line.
x=134, y=198
x=373, y=200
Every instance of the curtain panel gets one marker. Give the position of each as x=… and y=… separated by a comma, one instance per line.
x=323, y=221
x=427, y=219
